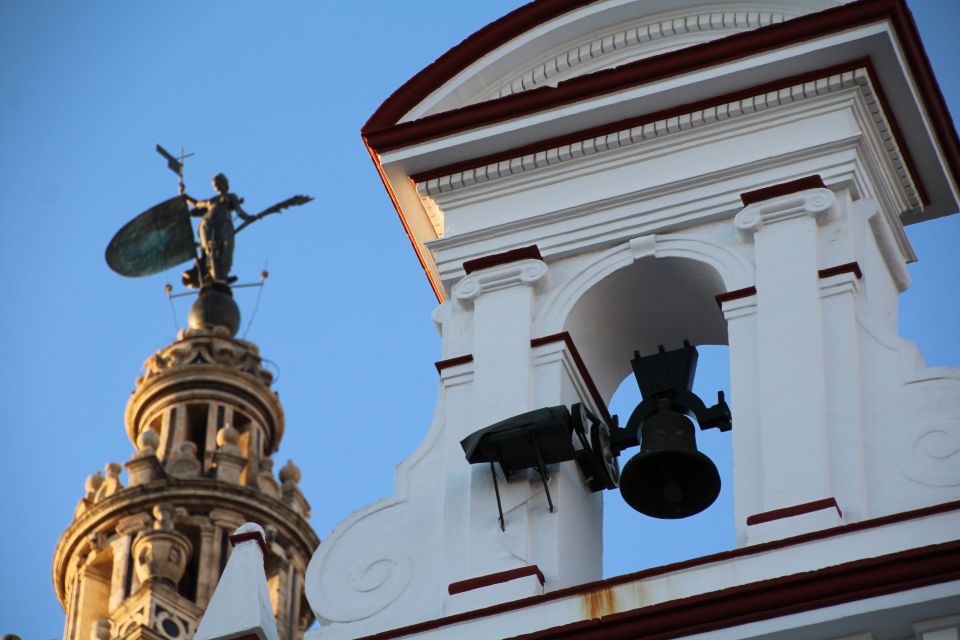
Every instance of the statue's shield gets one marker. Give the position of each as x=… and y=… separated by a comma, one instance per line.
x=159, y=238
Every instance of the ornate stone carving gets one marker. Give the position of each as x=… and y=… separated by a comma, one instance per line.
x=932, y=457
x=527, y=272
x=160, y=554
x=142, y=469
x=111, y=484
x=290, y=489
x=183, y=461
x=215, y=347
x=265, y=480
x=364, y=584
x=818, y=203
x=858, y=79
x=147, y=443
x=290, y=473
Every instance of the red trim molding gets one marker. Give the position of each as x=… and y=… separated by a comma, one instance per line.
x=496, y=578
x=589, y=587
x=564, y=336
x=495, y=34
x=849, y=267
x=383, y=134
x=523, y=253
x=248, y=536
x=646, y=118
x=768, y=599
x=782, y=189
x=796, y=510
x=452, y=362
x=736, y=294
x=641, y=72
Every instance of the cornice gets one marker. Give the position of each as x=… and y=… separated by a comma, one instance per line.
x=203, y=492
x=855, y=78
x=198, y=376
x=667, y=209
x=705, y=55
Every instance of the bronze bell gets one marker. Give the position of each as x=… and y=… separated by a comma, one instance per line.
x=669, y=478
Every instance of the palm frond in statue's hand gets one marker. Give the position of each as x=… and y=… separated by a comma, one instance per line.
x=295, y=201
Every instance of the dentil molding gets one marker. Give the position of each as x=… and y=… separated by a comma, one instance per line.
x=635, y=42
x=432, y=189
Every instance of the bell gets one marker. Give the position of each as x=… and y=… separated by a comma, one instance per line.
x=669, y=478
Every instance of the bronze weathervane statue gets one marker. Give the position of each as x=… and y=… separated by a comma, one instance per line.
x=162, y=237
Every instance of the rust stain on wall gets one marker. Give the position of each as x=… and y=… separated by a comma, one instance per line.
x=597, y=604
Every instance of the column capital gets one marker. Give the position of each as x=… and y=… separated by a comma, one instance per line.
x=521, y=272
x=818, y=203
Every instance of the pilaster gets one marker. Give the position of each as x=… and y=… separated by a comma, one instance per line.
x=790, y=404
x=502, y=298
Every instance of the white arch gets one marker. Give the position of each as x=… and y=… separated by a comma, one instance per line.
x=733, y=267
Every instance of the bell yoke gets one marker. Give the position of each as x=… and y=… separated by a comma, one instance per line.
x=668, y=479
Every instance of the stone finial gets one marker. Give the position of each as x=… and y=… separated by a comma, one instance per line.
x=265, y=480
x=111, y=483
x=240, y=606
x=227, y=436
x=290, y=473
x=290, y=490
x=94, y=481
x=228, y=460
x=163, y=517
x=147, y=442
x=183, y=461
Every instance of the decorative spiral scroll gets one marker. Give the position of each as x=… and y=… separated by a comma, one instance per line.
x=467, y=289
x=355, y=587
x=818, y=202
x=526, y=272
x=748, y=221
x=934, y=457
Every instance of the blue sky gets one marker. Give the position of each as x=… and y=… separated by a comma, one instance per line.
x=273, y=95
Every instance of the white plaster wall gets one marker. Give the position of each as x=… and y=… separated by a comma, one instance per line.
x=828, y=402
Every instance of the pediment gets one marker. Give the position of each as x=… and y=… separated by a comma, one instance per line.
x=544, y=44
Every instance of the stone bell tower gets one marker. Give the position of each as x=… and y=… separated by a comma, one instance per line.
x=141, y=558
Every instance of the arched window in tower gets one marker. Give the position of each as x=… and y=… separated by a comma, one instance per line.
x=187, y=586
x=622, y=526
x=198, y=427
x=653, y=302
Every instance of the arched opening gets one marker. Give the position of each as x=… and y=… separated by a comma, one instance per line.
x=633, y=541
x=654, y=302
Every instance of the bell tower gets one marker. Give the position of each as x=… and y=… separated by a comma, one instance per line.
x=596, y=186
x=142, y=556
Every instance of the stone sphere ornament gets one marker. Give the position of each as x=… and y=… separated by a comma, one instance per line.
x=215, y=307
